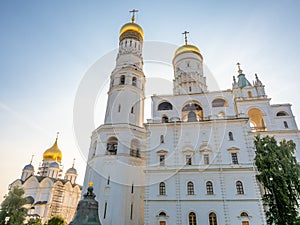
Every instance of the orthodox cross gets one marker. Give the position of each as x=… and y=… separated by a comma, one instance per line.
x=133, y=14
x=185, y=36
x=73, y=163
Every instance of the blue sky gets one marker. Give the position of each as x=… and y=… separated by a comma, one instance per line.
x=46, y=47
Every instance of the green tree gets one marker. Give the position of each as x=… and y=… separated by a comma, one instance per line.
x=56, y=220
x=279, y=173
x=36, y=221
x=12, y=207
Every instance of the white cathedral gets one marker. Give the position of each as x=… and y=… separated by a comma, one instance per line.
x=47, y=193
x=192, y=163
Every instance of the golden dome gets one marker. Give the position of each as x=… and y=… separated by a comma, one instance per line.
x=53, y=153
x=187, y=48
x=132, y=27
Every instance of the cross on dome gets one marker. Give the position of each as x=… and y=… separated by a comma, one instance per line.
x=185, y=36
x=133, y=14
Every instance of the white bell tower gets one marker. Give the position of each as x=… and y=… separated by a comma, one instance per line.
x=126, y=94
x=116, y=161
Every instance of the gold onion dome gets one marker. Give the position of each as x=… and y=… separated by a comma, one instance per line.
x=187, y=49
x=53, y=153
x=131, y=30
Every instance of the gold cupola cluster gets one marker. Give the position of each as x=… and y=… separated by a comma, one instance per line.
x=132, y=30
x=53, y=153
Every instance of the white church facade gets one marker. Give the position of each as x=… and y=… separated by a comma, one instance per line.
x=193, y=161
x=47, y=192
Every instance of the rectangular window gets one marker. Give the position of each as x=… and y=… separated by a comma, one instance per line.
x=206, y=159
x=234, y=158
x=162, y=160
x=188, y=160
x=132, y=187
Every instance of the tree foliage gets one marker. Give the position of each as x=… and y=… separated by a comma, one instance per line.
x=56, y=220
x=12, y=207
x=36, y=221
x=279, y=174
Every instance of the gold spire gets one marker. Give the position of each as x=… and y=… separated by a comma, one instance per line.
x=132, y=29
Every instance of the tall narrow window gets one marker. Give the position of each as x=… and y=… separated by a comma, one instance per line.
x=285, y=124
x=239, y=188
x=249, y=94
x=188, y=160
x=162, y=160
x=212, y=219
x=190, y=188
x=105, y=208
x=134, y=81
x=162, y=139
x=209, y=188
x=206, y=159
x=119, y=108
x=162, y=188
x=190, y=89
x=108, y=180
x=122, y=79
x=132, y=110
x=192, y=218
x=230, y=135
x=131, y=211
x=234, y=158
x=132, y=188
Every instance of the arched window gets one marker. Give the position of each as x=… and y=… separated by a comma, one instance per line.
x=192, y=218
x=112, y=146
x=230, y=135
x=119, y=108
x=244, y=214
x=122, y=79
x=165, y=106
x=162, y=214
x=256, y=120
x=132, y=110
x=282, y=113
x=134, y=81
x=212, y=219
x=162, y=188
x=192, y=112
x=239, y=188
x=190, y=188
x=209, y=188
x=285, y=124
x=164, y=119
x=219, y=102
